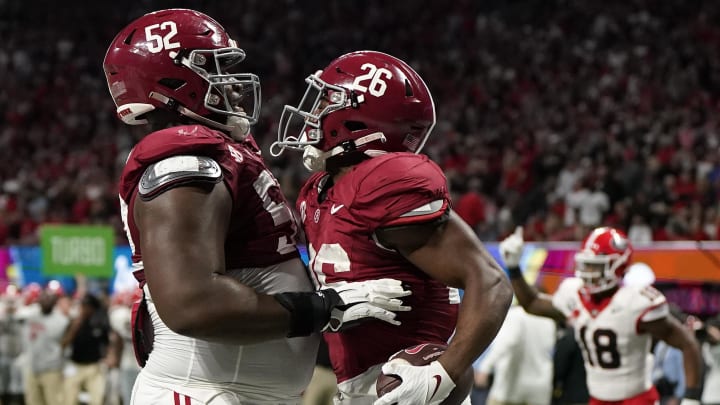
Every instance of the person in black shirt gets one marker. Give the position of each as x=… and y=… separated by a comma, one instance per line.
x=569, y=386
x=88, y=337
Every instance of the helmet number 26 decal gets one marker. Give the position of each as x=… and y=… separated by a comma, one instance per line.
x=377, y=86
x=157, y=42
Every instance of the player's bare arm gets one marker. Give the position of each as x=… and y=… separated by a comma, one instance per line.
x=669, y=330
x=532, y=300
x=450, y=252
x=182, y=237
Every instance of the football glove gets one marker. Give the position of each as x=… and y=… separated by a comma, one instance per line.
x=420, y=385
x=361, y=300
x=343, y=305
x=511, y=248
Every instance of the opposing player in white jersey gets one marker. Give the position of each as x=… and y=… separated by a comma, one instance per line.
x=613, y=323
x=229, y=315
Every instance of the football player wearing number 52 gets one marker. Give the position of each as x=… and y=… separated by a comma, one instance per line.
x=227, y=303
x=376, y=208
x=614, y=323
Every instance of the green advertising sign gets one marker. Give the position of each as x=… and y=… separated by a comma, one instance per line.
x=72, y=249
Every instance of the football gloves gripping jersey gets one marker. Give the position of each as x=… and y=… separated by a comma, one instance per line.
x=343, y=305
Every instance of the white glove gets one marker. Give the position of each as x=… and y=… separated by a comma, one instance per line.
x=687, y=401
x=377, y=299
x=420, y=385
x=511, y=248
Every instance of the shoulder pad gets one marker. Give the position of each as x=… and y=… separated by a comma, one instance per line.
x=566, y=297
x=175, y=170
x=397, y=189
x=649, y=303
x=433, y=207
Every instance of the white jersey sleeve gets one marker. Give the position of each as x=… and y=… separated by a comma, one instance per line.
x=648, y=303
x=566, y=297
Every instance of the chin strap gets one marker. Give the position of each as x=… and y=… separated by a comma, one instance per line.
x=357, y=143
x=314, y=158
x=237, y=127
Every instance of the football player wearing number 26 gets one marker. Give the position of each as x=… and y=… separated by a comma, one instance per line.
x=614, y=323
x=377, y=208
x=227, y=303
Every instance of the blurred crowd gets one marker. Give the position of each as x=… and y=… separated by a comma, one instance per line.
x=63, y=349
x=558, y=115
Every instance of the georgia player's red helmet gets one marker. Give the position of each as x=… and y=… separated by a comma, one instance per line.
x=603, y=259
x=179, y=59
x=362, y=101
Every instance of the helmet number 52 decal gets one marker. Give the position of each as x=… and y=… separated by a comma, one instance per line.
x=377, y=86
x=157, y=42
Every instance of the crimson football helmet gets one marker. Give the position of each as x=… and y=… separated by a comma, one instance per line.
x=181, y=60
x=363, y=101
x=603, y=259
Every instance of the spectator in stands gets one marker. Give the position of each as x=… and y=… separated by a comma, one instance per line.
x=640, y=233
x=586, y=204
x=588, y=83
x=569, y=176
x=471, y=204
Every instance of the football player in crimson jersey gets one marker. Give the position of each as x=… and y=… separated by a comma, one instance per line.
x=377, y=208
x=227, y=304
x=613, y=323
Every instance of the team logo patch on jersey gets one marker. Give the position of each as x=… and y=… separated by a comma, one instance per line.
x=316, y=217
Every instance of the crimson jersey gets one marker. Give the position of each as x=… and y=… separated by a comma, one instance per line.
x=261, y=230
x=388, y=190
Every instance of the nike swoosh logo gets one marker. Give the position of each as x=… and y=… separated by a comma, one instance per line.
x=438, y=380
x=335, y=208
